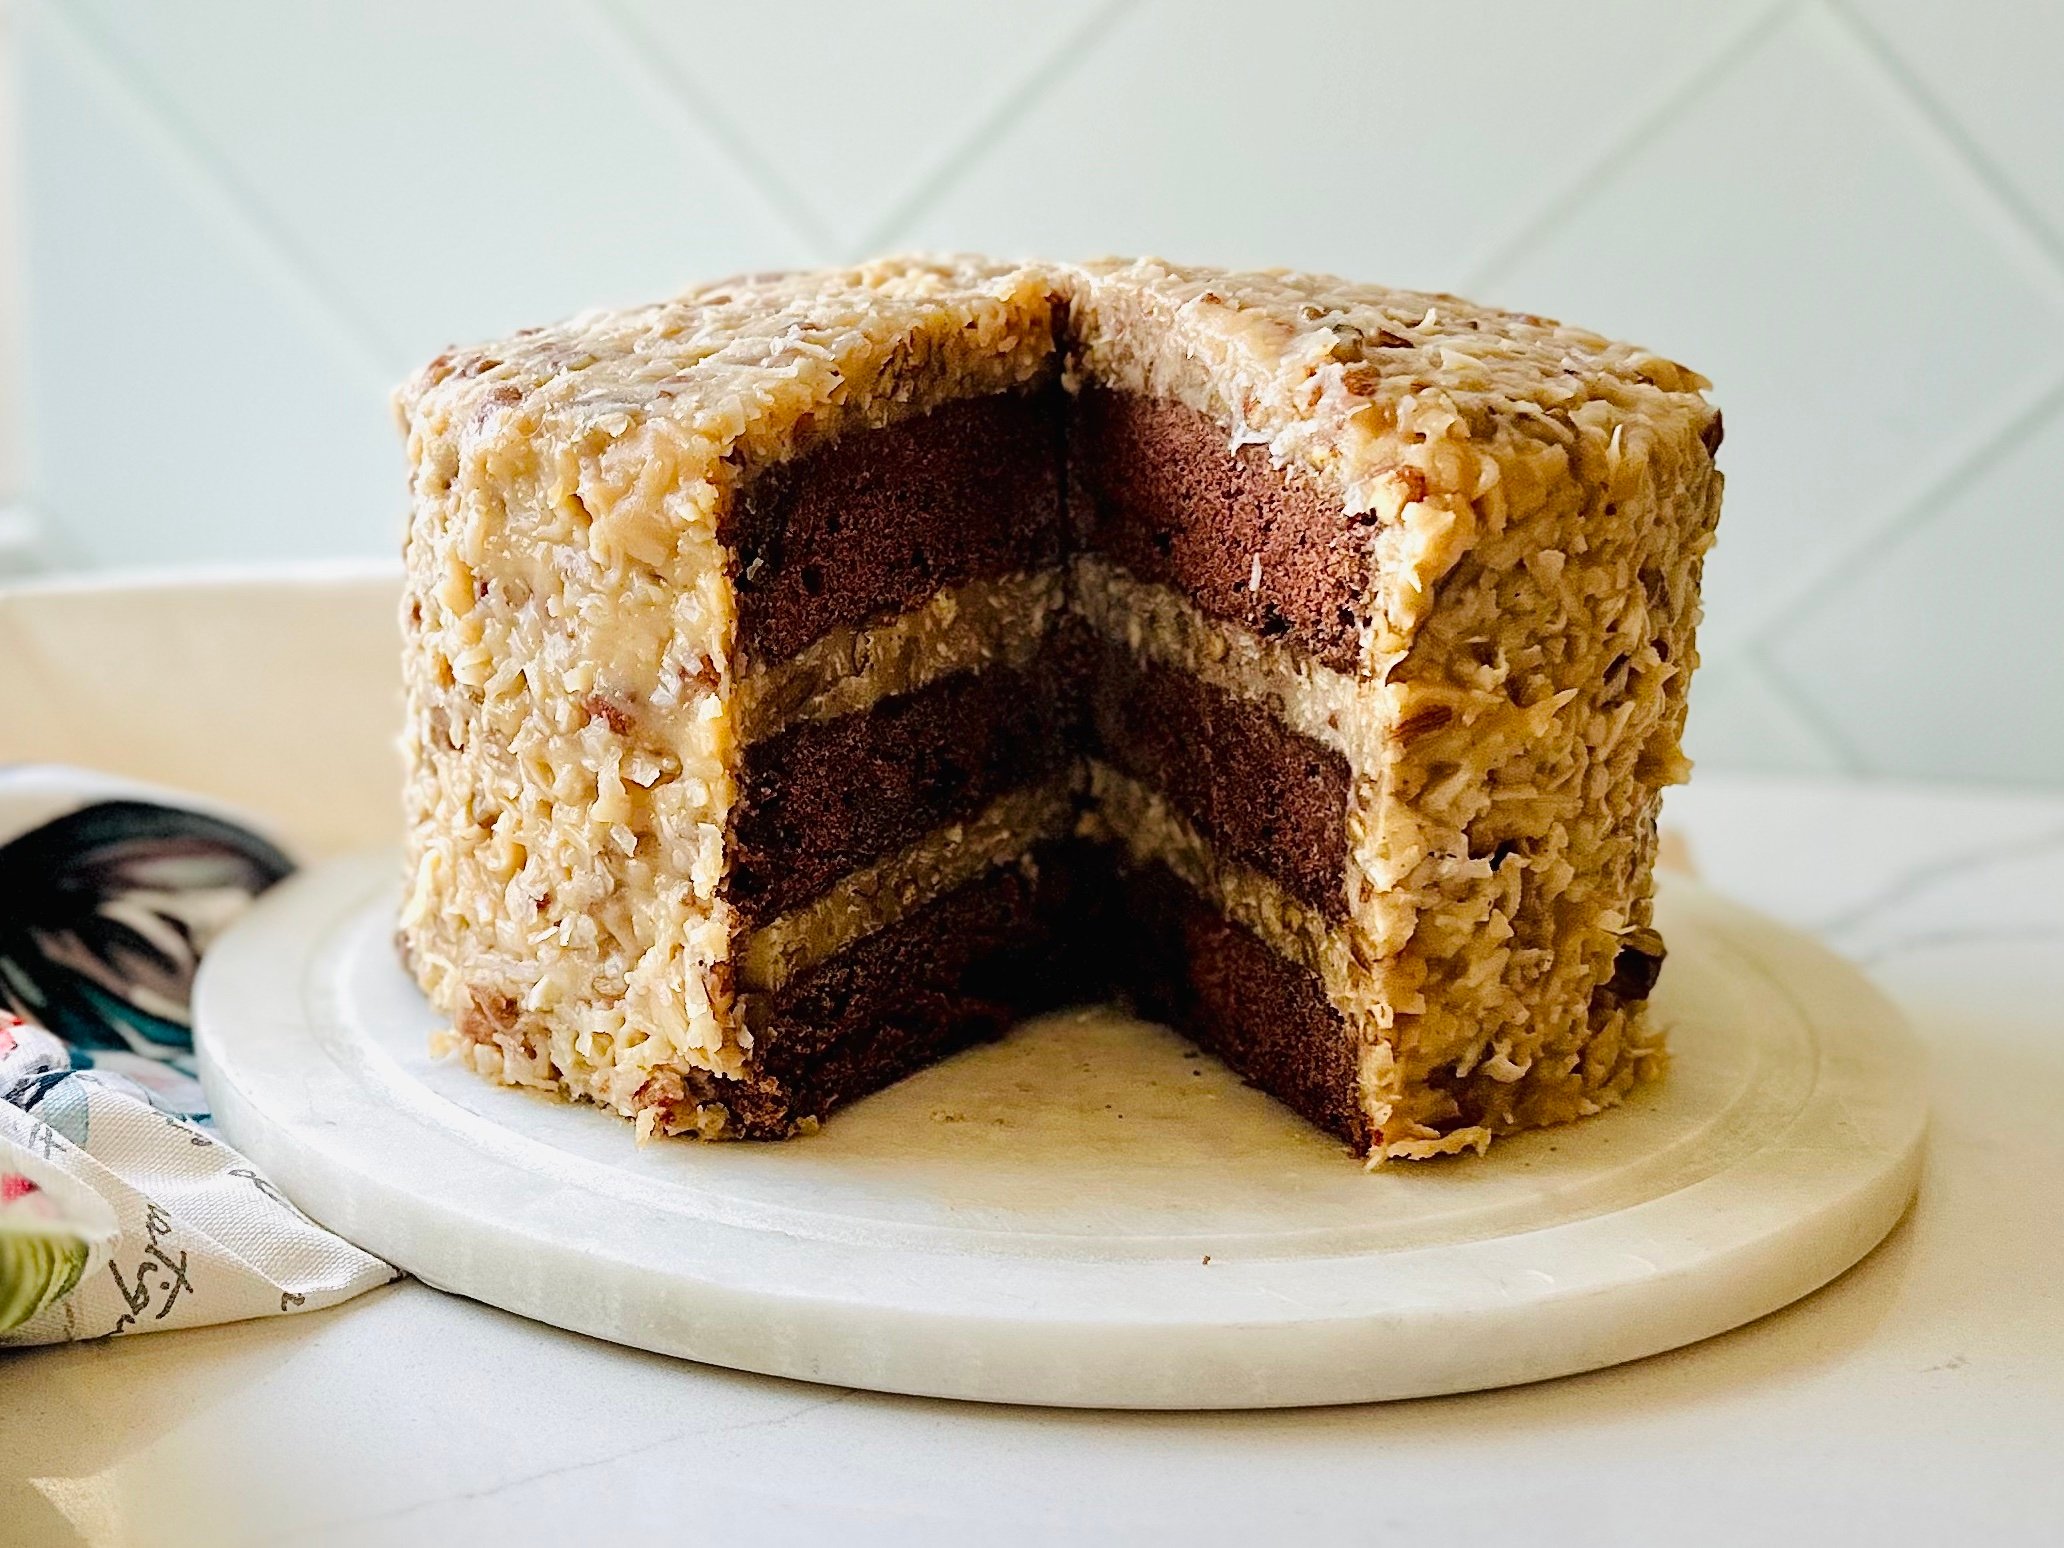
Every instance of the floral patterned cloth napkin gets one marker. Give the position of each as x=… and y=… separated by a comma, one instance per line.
x=120, y=1210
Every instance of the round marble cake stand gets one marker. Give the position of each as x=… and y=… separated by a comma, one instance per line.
x=1089, y=1212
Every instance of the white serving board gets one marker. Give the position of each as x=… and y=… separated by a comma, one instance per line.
x=1088, y=1212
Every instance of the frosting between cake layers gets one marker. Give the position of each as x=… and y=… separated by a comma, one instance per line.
x=961, y=628
x=1329, y=706
x=877, y=895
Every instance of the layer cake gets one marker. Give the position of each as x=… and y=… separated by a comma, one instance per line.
x=809, y=675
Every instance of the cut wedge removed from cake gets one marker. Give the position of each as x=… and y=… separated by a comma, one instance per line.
x=810, y=675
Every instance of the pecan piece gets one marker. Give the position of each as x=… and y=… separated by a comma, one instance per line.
x=1638, y=965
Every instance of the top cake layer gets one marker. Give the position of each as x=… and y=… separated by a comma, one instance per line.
x=728, y=377
x=1429, y=416
x=1425, y=416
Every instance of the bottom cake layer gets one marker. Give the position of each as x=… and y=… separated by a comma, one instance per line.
x=1061, y=926
x=1226, y=990
x=956, y=971
x=1066, y=923
x=994, y=915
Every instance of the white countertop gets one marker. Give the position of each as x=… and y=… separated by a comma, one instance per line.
x=1919, y=1398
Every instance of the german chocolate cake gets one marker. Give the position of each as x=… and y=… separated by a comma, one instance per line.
x=812, y=674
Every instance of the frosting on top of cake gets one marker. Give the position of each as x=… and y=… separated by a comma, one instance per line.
x=744, y=369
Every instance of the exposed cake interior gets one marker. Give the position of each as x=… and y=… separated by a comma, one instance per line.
x=1046, y=679
x=926, y=698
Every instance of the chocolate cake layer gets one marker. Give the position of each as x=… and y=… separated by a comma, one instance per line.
x=827, y=796
x=876, y=896
x=955, y=972
x=1154, y=484
x=879, y=520
x=1225, y=989
x=1264, y=795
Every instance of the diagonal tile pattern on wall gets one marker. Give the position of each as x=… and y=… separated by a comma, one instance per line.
x=1848, y=212
x=1373, y=139
x=858, y=115
x=1785, y=235
x=161, y=328
x=1981, y=78
x=461, y=167
x=1945, y=648
x=1745, y=717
